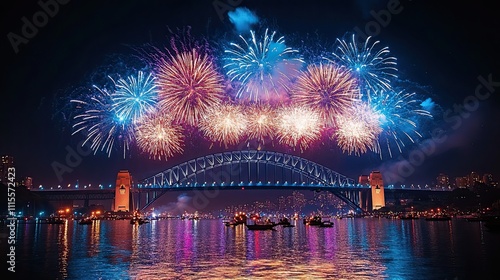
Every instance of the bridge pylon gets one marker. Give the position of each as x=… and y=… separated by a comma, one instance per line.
x=122, y=192
x=377, y=187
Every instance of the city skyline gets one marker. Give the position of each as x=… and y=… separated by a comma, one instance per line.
x=43, y=142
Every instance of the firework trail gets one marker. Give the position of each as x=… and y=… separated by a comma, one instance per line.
x=298, y=126
x=189, y=86
x=225, y=124
x=102, y=124
x=373, y=67
x=399, y=113
x=261, y=121
x=159, y=136
x=135, y=96
x=326, y=88
x=263, y=69
x=358, y=129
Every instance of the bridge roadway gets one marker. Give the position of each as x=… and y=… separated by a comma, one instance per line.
x=349, y=194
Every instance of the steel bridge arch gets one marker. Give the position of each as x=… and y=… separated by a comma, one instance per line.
x=181, y=174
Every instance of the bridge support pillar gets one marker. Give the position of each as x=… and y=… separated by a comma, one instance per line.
x=377, y=187
x=122, y=191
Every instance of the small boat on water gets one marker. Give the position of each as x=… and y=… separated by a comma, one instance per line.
x=326, y=224
x=261, y=226
x=438, y=218
x=313, y=221
x=409, y=216
x=138, y=219
x=55, y=220
x=318, y=221
x=85, y=221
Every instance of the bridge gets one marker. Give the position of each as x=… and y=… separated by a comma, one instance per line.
x=252, y=169
x=248, y=169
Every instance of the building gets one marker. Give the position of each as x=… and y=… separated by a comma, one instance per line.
x=487, y=179
x=462, y=182
x=474, y=179
x=7, y=162
x=27, y=182
x=377, y=190
x=442, y=181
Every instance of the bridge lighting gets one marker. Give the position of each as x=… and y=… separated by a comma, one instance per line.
x=110, y=185
x=269, y=182
x=40, y=187
x=58, y=186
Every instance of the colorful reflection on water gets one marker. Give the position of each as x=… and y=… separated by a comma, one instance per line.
x=206, y=249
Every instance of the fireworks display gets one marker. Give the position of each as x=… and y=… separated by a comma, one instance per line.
x=101, y=123
x=399, y=114
x=158, y=136
x=326, y=88
x=261, y=118
x=358, y=129
x=225, y=124
x=298, y=126
x=264, y=68
x=135, y=96
x=267, y=93
x=189, y=86
x=373, y=67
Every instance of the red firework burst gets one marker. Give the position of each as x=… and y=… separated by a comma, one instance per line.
x=328, y=89
x=189, y=86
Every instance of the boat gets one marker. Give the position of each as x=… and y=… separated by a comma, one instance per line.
x=408, y=217
x=438, y=218
x=238, y=219
x=55, y=220
x=261, y=226
x=138, y=219
x=284, y=222
x=85, y=221
x=313, y=221
x=326, y=224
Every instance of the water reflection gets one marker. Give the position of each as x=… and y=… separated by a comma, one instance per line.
x=207, y=249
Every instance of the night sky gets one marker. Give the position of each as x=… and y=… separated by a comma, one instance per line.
x=441, y=47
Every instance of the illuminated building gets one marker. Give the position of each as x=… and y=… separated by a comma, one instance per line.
x=7, y=162
x=442, y=181
x=28, y=182
x=487, y=179
x=462, y=182
x=473, y=178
